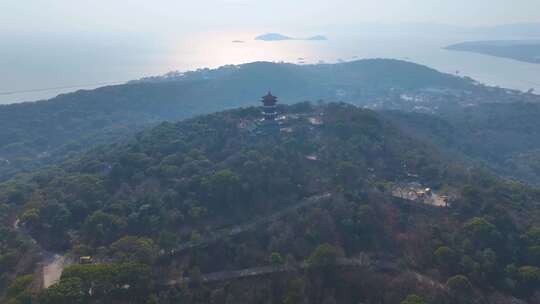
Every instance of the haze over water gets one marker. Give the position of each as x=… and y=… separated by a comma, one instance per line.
x=70, y=62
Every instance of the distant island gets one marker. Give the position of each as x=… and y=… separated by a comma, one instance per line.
x=522, y=50
x=273, y=37
x=238, y=41
x=280, y=37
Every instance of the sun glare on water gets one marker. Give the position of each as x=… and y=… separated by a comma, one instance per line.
x=213, y=49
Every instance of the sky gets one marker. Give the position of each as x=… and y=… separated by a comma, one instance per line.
x=168, y=16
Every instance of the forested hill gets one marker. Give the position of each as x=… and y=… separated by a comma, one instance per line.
x=37, y=133
x=504, y=137
x=323, y=195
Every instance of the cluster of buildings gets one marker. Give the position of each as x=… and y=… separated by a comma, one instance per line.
x=272, y=120
x=417, y=193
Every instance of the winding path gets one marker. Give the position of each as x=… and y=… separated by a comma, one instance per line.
x=361, y=262
x=237, y=229
x=50, y=268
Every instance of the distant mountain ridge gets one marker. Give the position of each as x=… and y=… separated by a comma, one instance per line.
x=35, y=134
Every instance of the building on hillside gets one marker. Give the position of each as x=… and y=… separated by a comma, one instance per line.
x=269, y=110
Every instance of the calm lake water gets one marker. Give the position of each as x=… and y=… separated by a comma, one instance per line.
x=67, y=63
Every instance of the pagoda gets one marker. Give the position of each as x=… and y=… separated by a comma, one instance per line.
x=269, y=110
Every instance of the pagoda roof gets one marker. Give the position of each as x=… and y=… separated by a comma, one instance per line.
x=269, y=96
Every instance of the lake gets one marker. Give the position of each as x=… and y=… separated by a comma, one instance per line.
x=42, y=66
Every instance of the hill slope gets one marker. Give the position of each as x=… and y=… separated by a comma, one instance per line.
x=33, y=134
x=504, y=137
x=46, y=132
x=324, y=185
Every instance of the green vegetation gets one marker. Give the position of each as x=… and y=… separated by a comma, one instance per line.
x=33, y=135
x=116, y=283
x=17, y=254
x=503, y=137
x=19, y=290
x=459, y=284
x=276, y=258
x=413, y=299
x=184, y=183
x=323, y=256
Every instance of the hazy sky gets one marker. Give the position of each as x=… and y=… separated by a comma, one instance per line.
x=190, y=15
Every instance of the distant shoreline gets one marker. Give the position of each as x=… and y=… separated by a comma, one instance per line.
x=521, y=50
